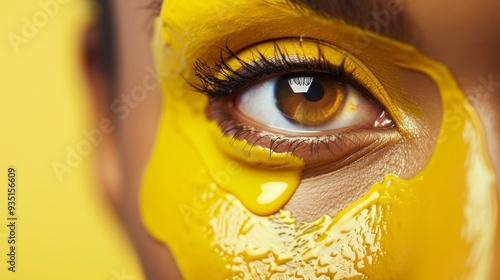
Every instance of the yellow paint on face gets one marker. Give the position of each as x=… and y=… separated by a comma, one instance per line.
x=210, y=200
x=262, y=181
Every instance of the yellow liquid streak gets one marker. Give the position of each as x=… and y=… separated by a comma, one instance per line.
x=263, y=181
x=439, y=224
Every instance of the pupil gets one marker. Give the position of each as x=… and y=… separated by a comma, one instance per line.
x=315, y=92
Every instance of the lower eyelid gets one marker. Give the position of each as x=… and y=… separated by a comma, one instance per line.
x=322, y=153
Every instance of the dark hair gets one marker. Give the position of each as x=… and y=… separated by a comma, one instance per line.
x=106, y=26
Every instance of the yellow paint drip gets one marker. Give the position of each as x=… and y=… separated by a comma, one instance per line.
x=262, y=180
x=205, y=196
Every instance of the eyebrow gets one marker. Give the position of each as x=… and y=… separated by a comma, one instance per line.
x=384, y=17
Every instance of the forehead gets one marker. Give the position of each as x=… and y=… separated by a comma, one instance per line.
x=385, y=17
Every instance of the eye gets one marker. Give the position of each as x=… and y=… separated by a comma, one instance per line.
x=301, y=96
x=310, y=102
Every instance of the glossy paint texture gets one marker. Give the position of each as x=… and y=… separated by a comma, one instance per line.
x=215, y=201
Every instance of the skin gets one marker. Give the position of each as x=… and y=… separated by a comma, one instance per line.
x=124, y=155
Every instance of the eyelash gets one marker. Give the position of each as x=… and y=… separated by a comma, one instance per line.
x=235, y=80
x=238, y=130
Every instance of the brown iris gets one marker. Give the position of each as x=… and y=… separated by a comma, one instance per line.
x=309, y=99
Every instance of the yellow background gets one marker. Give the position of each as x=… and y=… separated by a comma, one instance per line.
x=65, y=230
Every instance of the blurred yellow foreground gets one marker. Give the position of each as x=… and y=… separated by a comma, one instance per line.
x=63, y=228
